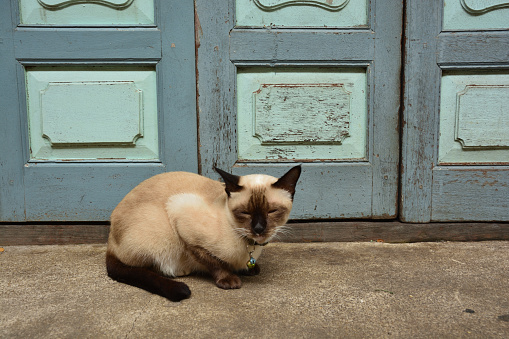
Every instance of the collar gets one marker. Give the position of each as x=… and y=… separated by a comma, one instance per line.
x=251, y=242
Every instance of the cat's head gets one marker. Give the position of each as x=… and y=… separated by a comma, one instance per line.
x=260, y=204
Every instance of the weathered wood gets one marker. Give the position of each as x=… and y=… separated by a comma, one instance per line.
x=281, y=45
x=467, y=193
x=337, y=184
x=478, y=48
x=66, y=192
x=108, y=44
x=420, y=99
x=345, y=231
x=431, y=192
x=473, y=120
x=325, y=182
x=53, y=234
x=394, y=231
x=12, y=204
x=75, y=190
x=385, y=102
x=216, y=86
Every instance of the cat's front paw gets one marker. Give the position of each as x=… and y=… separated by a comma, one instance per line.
x=229, y=282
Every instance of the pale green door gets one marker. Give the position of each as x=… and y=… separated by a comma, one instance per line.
x=309, y=82
x=97, y=96
x=456, y=135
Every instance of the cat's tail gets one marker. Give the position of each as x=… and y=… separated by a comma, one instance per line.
x=146, y=279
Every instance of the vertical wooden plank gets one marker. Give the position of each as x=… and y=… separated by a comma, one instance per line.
x=420, y=100
x=386, y=98
x=12, y=204
x=216, y=74
x=177, y=86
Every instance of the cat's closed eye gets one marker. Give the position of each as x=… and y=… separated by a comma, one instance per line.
x=242, y=214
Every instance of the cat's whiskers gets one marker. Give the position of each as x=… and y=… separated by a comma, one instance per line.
x=241, y=232
x=281, y=231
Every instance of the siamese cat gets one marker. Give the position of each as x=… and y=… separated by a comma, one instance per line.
x=178, y=223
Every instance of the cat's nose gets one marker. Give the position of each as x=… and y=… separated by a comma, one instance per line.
x=259, y=228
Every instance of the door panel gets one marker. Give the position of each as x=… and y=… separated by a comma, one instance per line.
x=295, y=93
x=301, y=114
x=455, y=141
x=92, y=113
x=324, y=13
x=473, y=118
x=475, y=14
x=97, y=110
x=92, y=12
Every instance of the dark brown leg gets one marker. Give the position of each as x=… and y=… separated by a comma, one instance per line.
x=221, y=272
x=146, y=279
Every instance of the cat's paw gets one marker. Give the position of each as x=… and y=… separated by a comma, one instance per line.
x=229, y=282
x=176, y=291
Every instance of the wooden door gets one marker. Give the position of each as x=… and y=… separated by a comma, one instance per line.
x=455, y=149
x=309, y=82
x=97, y=96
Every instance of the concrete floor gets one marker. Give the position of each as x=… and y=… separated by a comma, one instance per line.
x=317, y=290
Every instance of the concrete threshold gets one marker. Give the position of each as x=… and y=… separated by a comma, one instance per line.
x=313, y=290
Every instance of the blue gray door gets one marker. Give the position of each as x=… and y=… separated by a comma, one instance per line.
x=309, y=82
x=455, y=146
x=97, y=96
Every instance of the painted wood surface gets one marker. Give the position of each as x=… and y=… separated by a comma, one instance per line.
x=298, y=114
x=80, y=191
x=420, y=104
x=302, y=13
x=328, y=189
x=92, y=113
x=456, y=117
x=294, y=45
x=342, y=191
x=88, y=190
x=12, y=204
x=473, y=118
x=82, y=45
x=470, y=193
x=89, y=12
x=280, y=113
x=475, y=14
x=469, y=49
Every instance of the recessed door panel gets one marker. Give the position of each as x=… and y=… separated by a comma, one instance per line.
x=89, y=13
x=474, y=123
x=92, y=113
x=475, y=14
x=302, y=114
x=302, y=13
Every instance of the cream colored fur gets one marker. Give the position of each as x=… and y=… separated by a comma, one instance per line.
x=155, y=222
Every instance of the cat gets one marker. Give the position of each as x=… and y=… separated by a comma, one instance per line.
x=178, y=223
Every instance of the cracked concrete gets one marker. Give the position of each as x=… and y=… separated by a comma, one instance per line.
x=318, y=290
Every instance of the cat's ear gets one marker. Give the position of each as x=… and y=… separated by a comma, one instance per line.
x=231, y=181
x=288, y=181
